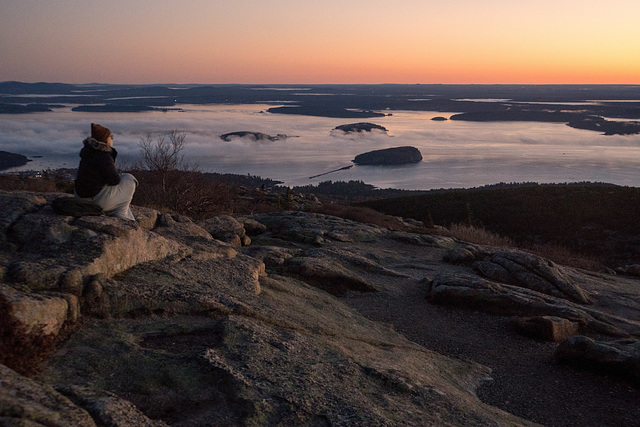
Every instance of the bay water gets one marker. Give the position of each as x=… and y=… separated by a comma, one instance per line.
x=456, y=154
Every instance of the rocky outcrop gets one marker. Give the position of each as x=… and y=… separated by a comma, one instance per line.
x=180, y=315
x=34, y=314
x=316, y=229
x=200, y=324
x=621, y=357
x=518, y=283
x=227, y=229
x=58, y=252
x=389, y=156
x=334, y=270
x=27, y=402
x=632, y=270
x=57, y=266
x=533, y=272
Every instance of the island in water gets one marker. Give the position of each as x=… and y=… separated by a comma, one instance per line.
x=23, y=109
x=11, y=160
x=108, y=108
x=389, y=156
x=607, y=127
x=360, y=127
x=254, y=136
x=325, y=111
x=575, y=120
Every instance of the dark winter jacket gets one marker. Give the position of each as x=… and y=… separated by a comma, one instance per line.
x=97, y=168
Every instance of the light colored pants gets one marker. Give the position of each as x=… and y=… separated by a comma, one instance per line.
x=116, y=199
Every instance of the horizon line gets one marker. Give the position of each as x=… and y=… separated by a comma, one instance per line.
x=324, y=84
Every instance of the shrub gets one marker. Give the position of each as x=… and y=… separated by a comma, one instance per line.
x=184, y=192
x=557, y=253
x=478, y=235
x=44, y=184
x=168, y=183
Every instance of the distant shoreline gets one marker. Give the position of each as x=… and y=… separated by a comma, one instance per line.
x=610, y=109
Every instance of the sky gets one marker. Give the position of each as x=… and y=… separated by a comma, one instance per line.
x=318, y=42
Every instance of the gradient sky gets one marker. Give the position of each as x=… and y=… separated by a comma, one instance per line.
x=320, y=41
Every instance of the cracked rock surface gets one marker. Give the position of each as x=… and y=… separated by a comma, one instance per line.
x=313, y=320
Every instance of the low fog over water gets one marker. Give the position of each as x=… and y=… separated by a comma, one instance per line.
x=456, y=153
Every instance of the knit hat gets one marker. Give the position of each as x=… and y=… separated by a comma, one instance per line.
x=100, y=133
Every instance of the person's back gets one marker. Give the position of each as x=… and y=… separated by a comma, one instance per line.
x=98, y=177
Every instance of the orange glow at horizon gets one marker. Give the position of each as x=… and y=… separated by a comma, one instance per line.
x=284, y=41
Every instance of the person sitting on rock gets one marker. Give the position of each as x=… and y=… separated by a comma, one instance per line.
x=98, y=178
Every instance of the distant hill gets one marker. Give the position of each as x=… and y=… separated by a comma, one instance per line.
x=16, y=88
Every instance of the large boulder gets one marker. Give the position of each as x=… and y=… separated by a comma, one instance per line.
x=548, y=328
x=227, y=229
x=30, y=324
x=389, y=156
x=325, y=273
x=196, y=284
x=315, y=229
x=467, y=253
x=55, y=248
x=251, y=226
x=530, y=271
x=631, y=270
x=423, y=239
x=472, y=292
x=33, y=314
x=16, y=204
x=621, y=357
x=58, y=268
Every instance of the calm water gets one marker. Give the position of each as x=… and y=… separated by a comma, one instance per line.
x=456, y=154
